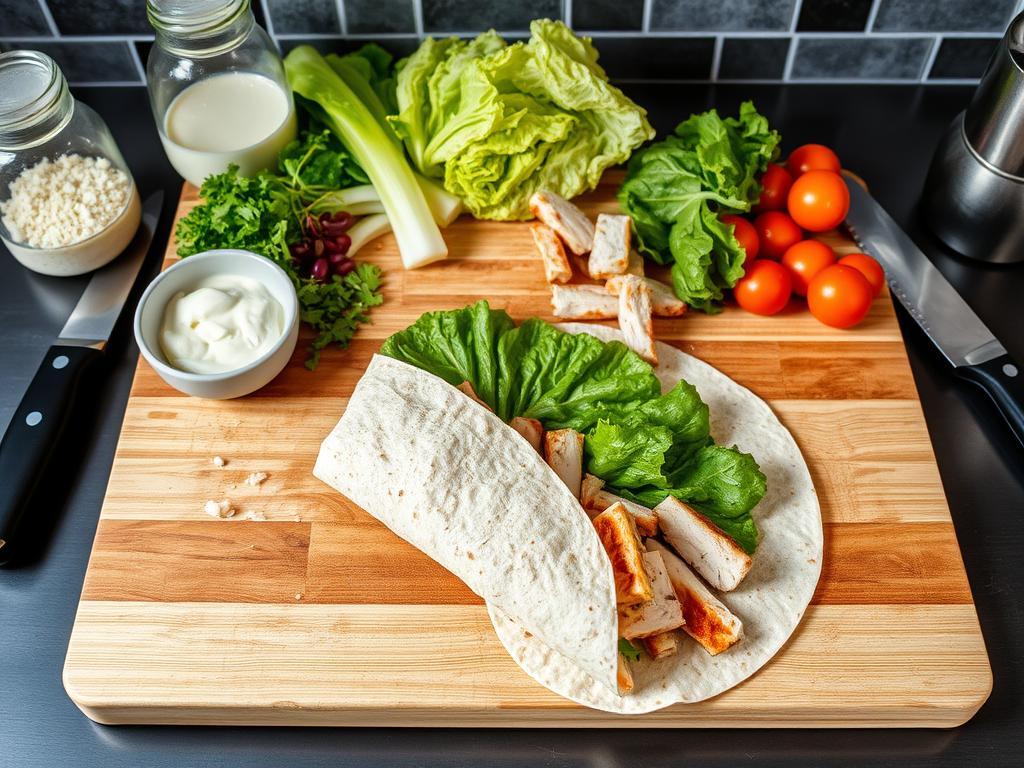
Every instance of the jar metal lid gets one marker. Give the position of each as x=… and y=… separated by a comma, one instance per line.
x=34, y=98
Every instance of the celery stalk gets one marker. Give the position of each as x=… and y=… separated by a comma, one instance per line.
x=419, y=239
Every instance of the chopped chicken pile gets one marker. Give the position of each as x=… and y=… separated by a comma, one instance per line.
x=627, y=294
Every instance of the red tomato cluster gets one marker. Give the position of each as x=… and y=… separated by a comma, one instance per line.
x=807, y=194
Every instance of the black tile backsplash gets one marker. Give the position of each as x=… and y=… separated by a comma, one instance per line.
x=481, y=15
x=22, y=17
x=660, y=58
x=962, y=57
x=753, y=58
x=858, y=40
x=860, y=58
x=944, y=15
x=727, y=15
x=305, y=17
x=100, y=17
x=600, y=15
x=367, y=17
x=834, y=15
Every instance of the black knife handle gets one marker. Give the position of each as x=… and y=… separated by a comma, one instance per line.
x=33, y=434
x=1003, y=381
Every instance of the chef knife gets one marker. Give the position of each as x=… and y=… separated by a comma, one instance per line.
x=39, y=420
x=976, y=355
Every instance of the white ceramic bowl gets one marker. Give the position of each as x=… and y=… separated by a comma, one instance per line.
x=183, y=276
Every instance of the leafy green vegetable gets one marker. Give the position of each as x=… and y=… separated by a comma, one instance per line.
x=644, y=444
x=333, y=97
x=628, y=650
x=676, y=189
x=263, y=214
x=499, y=121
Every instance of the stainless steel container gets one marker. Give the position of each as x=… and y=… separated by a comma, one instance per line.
x=974, y=195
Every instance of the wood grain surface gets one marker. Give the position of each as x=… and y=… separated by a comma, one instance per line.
x=314, y=613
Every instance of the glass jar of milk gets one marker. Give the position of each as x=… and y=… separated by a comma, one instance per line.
x=217, y=87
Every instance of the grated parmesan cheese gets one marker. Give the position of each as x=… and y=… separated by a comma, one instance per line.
x=256, y=478
x=221, y=509
x=56, y=203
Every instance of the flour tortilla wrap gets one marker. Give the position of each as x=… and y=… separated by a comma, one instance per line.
x=455, y=481
x=770, y=601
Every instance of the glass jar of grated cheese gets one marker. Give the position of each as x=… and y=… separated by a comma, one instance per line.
x=68, y=203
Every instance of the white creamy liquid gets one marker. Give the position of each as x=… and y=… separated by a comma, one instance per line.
x=224, y=323
x=239, y=117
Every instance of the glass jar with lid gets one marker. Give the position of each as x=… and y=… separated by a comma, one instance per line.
x=217, y=87
x=68, y=203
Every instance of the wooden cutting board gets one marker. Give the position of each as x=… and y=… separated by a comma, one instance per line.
x=318, y=615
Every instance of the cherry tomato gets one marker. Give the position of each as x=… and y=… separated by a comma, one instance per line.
x=765, y=288
x=776, y=231
x=812, y=157
x=868, y=267
x=839, y=296
x=746, y=234
x=819, y=200
x=804, y=260
x=775, y=184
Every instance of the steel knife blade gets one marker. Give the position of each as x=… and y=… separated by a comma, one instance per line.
x=36, y=427
x=966, y=342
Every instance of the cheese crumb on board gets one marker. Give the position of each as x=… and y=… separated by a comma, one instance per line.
x=221, y=509
x=218, y=461
x=56, y=203
x=256, y=478
x=258, y=517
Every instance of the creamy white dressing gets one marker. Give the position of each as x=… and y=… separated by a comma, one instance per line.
x=224, y=323
x=240, y=118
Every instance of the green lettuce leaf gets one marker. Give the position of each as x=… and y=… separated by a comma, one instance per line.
x=644, y=444
x=498, y=122
x=676, y=189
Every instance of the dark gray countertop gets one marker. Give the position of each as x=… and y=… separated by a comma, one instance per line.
x=887, y=135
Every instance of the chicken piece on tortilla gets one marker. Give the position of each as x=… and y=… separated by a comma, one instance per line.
x=707, y=548
x=563, y=451
x=624, y=677
x=635, y=317
x=610, y=255
x=662, y=646
x=636, y=263
x=531, y=429
x=708, y=620
x=662, y=614
x=583, y=302
x=664, y=303
x=594, y=497
x=557, y=268
x=617, y=532
x=568, y=221
x=467, y=389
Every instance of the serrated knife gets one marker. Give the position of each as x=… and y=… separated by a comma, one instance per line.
x=39, y=420
x=975, y=354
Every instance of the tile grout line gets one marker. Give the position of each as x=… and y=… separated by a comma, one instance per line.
x=50, y=21
x=716, y=57
x=134, y=53
x=645, y=18
x=417, y=18
x=929, y=60
x=267, y=19
x=339, y=7
x=798, y=6
x=869, y=26
x=787, y=68
x=567, y=13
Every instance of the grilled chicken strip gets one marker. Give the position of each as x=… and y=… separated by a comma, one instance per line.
x=531, y=429
x=610, y=255
x=662, y=646
x=568, y=221
x=662, y=614
x=708, y=620
x=664, y=303
x=563, y=451
x=583, y=302
x=618, y=534
x=557, y=268
x=636, y=264
x=594, y=498
x=701, y=543
x=467, y=389
x=635, y=317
